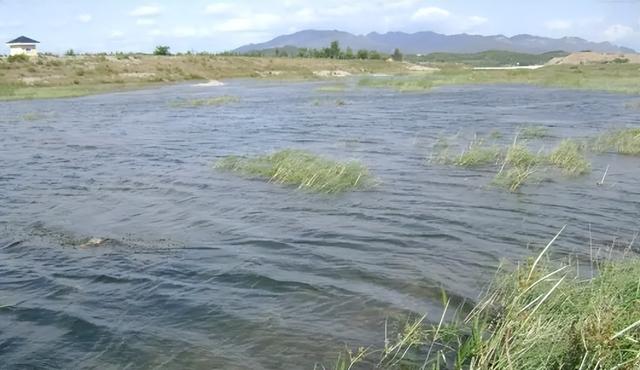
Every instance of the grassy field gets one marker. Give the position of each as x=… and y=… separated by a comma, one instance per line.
x=540, y=315
x=55, y=77
x=491, y=58
x=620, y=78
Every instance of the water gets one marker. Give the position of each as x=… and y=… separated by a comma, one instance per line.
x=203, y=269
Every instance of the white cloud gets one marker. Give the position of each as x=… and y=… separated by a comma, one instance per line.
x=558, y=25
x=84, y=18
x=430, y=13
x=146, y=22
x=146, y=11
x=116, y=34
x=617, y=32
x=219, y=8
x=252, y=22
x=476, y=20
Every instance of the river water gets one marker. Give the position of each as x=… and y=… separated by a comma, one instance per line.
x=202, y=269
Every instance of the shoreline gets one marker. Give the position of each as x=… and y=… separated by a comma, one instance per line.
x=69, y=77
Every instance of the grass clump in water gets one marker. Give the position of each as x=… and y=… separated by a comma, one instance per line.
x=302, y=169
x=404, y=83
x=542, y=315
x=209, y=102
x=477, y=154
x=332, y=89
x=534, y=132
x=569, y=156
x=623, y=141
x=519, y=165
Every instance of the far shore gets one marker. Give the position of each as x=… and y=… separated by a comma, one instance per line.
x=47, y=77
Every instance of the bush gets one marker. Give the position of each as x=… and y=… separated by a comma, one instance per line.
x=20, y=58
x=162, y=50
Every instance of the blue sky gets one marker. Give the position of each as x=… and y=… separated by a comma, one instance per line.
x=215, y=25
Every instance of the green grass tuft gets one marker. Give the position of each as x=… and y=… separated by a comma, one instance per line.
x=476, y=155
x=302, y=169
x=402, y=83
x=332, y=89
x=209, y=102
x=542, y=315
x=517, y=163
x=624, y=141
x=534, y=132
x=569, y=156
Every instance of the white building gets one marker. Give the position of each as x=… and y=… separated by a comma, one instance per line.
x=23, y=45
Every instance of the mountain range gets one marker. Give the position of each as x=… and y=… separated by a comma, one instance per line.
x=431, y=42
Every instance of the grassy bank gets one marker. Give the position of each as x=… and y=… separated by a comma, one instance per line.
x=620, y=78
x=302, y=169
x=57, y=77
x=541, y=315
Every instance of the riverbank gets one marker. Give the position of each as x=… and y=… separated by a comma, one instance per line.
x=73, y=76
x=541, y=315
x=59, y=77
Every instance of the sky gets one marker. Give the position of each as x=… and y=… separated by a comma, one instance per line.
x=219, y=25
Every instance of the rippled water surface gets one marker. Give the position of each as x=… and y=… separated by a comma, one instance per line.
x=202, y=269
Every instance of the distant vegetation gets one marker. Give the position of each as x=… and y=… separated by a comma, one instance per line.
x=302, y=169
x=49, y=76
x=623, y=78
x=332, y=51
x=492, y=58
x=162, y=50
x=208, y=102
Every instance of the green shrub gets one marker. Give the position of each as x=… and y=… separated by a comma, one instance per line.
x=162, y=50
x=19, y=58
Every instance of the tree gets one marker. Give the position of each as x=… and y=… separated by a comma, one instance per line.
x=162, y=50
x=374, y=55
x=70, y=53
x=348, y=54
x=333, y=51
x=363, y=54
x=397, y=55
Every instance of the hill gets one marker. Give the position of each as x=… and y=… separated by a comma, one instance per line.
x=432, y=42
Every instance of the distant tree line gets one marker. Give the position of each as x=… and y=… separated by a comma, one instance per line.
x=333, y=51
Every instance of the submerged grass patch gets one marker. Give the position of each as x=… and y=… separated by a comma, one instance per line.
x=477, y=154
x=208, y=102
x=402, y=83
x=533, y=132
x=569, y=156
x=517, y=163
x=332, y=89
x=302, y=169
x=542, y=315
x=623, y=141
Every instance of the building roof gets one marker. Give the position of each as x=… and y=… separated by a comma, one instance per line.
x=23, y=40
